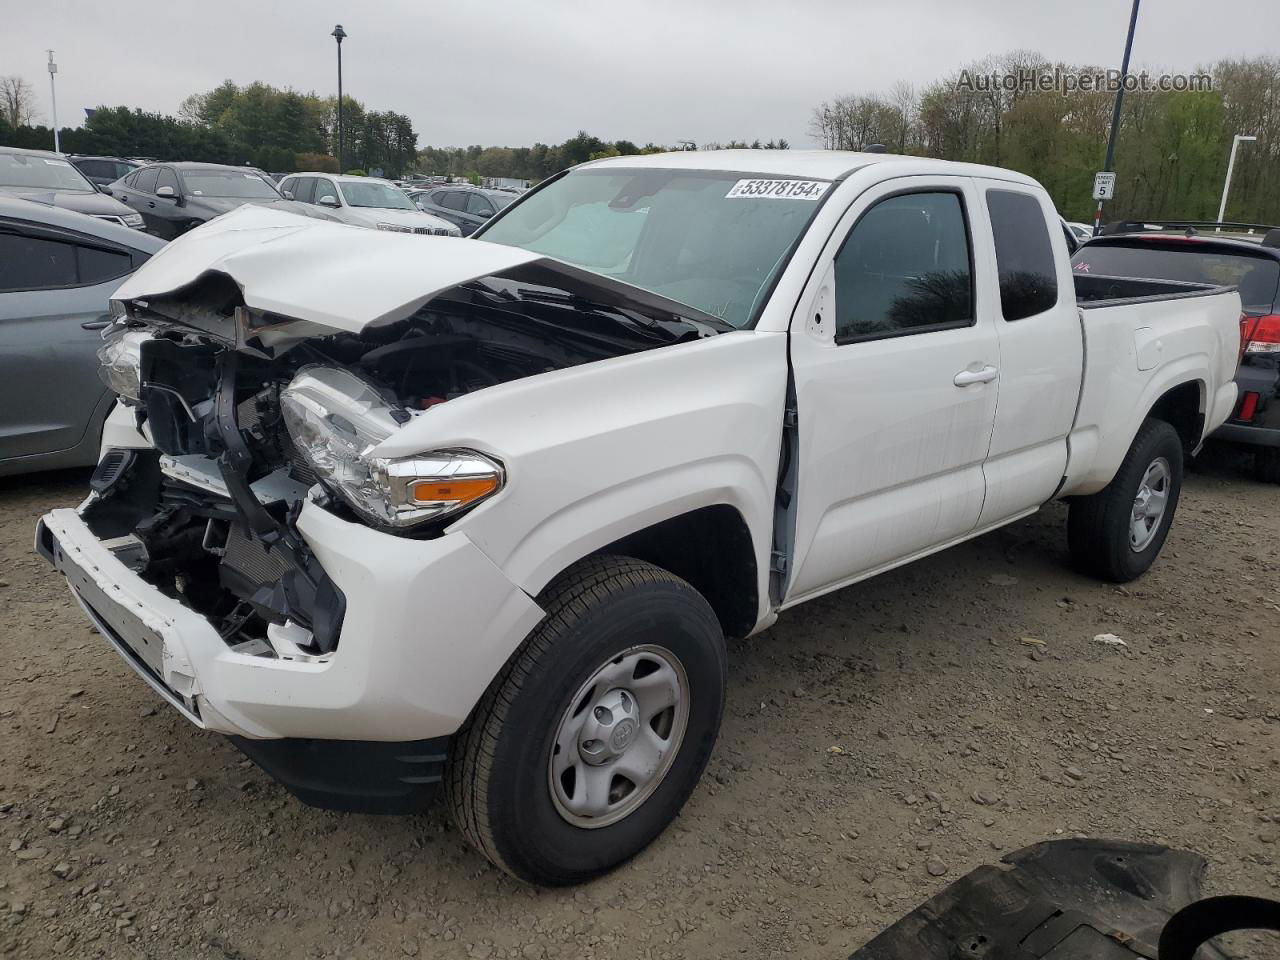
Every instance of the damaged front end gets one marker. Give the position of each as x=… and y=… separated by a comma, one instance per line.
x=250, y=413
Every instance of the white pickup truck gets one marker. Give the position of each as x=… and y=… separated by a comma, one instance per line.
x=394, y=510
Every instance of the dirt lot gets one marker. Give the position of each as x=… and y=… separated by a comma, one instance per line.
x=879, y=743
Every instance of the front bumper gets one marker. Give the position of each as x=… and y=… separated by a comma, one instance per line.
x=429, y=624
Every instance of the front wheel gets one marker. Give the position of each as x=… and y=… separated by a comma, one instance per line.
x=1117, y=533
x=596, y=732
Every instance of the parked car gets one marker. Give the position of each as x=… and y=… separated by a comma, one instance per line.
x=486, y=512
x=103, y=171
x=465, y=206
x=365, y=202
x=51, y=178
x=1081, y=231
x=58, y=270
x=1244, y=255
x=174, y=197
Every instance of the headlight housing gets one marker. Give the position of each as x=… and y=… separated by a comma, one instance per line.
x=133, y=220
x=336, y=419
x=121, y=359
x=393, y=227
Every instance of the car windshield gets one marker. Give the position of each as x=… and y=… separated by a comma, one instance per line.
x=375, y=194
x=710, y=239
x=228, y=183
x=1257, y=276
x=49, y=173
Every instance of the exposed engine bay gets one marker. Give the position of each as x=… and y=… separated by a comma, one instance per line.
x=250, y=413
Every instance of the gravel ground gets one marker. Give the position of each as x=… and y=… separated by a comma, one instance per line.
x=879, y=743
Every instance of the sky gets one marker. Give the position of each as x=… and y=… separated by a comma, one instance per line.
x=512, y=72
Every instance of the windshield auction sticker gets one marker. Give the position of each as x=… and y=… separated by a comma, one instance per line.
x=778, y=189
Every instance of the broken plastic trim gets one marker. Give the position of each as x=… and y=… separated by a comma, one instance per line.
x=304, y=594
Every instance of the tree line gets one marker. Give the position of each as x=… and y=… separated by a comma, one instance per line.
x=257, y=124
x=1171, y=150
x=542, y=160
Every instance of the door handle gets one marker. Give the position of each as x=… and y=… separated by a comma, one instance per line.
x=967, y=378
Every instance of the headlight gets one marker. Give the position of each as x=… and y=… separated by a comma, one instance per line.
x=394, y=227
x=133, y=220
x=336, y=419
x=121, y=358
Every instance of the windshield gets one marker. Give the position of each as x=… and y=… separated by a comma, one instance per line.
x=1257, y=276
x=229, y=183
x=50, y=173
x=713, y=240
x=375, y=194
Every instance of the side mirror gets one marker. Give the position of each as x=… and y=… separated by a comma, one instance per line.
x=328, y=200
x=167, y=192
x=485, y=214
x=287, y=194
x=103, y=188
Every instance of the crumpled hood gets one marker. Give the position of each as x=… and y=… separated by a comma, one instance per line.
x=341, y=276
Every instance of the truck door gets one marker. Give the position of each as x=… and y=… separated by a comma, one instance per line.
x=1041, y=348
x=896, y=367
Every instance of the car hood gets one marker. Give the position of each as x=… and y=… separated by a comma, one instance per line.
x=216, y=206
x=338, y=277
x=401, y=218
x=93, y=204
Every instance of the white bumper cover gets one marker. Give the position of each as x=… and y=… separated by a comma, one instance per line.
x=428, y=625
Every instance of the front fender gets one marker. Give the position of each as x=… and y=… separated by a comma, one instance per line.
x=599, y=451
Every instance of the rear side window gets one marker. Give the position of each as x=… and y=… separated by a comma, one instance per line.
x=96, y=168
x=1257, y=276
x=454, y=200
x=146, y=181
x=36, y=263
x=905, y=268
x=1024, y=254
x=304, y=189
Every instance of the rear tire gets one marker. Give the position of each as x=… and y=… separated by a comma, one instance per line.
x=619, y=636
x=1266, y=464
x=1116, y=534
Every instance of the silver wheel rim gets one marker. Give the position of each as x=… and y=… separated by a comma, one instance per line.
x=1150, y=504
x=618, y=737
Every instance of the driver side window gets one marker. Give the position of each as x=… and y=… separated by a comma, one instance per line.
x=167, y=179
x=905, y=268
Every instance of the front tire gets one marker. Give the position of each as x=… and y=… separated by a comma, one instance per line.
x=1117, y=533
x=594, y=735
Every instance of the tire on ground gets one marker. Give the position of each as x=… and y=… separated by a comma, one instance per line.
x=498, y=778
x=1098, y=526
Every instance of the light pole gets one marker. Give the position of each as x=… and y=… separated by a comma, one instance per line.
x=53, y=97
x=1109, y=164
x=339, y=34
x=1231, y=165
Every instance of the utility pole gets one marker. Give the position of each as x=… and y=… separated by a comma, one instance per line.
x=1108, y=165
x=339, y=34
x=1231, y=165
x=53, y=97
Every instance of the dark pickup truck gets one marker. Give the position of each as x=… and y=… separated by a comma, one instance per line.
x=1242, y=254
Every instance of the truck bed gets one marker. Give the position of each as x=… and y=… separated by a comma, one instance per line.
x=1101, y=291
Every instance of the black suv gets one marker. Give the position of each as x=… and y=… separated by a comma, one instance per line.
x=174, y=197
x=1245, y=255
x=468, y=207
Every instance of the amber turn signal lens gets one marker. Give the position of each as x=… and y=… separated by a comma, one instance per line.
x=461, y=490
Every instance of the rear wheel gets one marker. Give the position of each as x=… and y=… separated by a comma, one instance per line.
x=1117, y=533
x=1266, y=464
x=596, y=732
